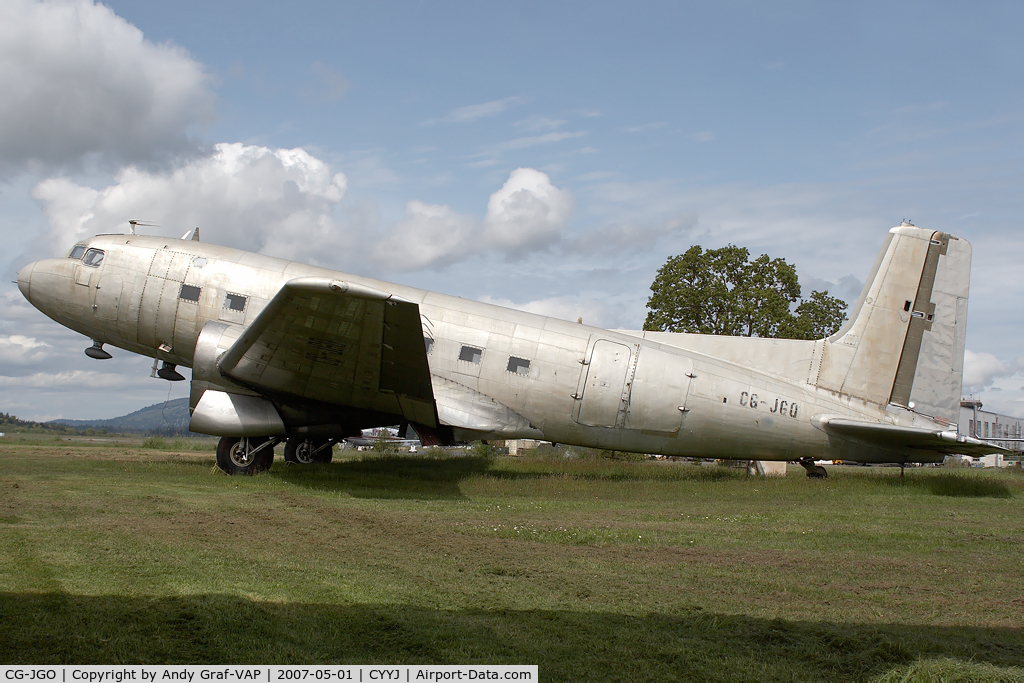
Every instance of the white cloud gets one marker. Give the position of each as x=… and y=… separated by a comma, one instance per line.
x=20, y=349
x=528, y=213
x=476, y=111
x=539, y=123
x=981, y=370
x=488, y=156
x=534, y=140
x=618, y=238
x=704, y=136
x=60, y=381
x=571, y=308
x=78, y=80
x=283, y=202
x=278, y=201
x=847, y=288
x=430, y=236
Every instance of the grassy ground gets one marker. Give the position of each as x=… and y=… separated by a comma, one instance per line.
x=590, y=568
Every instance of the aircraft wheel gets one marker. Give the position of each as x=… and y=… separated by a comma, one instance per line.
x=239, y=456
x=817, y=472
x=326, y=454
x=302, y=451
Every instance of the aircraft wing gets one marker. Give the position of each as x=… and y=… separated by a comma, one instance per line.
x=337, y=342
x=893, y=436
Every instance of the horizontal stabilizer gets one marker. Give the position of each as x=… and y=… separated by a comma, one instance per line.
x=894, y=436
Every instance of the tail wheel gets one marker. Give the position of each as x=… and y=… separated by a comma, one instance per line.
x=247, y=455
x=813, y=471
x=308, y=451
x=817, y=472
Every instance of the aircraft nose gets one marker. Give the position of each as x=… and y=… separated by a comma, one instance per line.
x=25, y=280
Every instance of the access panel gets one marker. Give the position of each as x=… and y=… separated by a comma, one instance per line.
x=659, y=388
x=606, y=378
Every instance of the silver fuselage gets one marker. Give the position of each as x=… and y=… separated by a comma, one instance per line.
x=584, y=385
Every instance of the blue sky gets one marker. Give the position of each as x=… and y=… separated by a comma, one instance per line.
x=801, y=130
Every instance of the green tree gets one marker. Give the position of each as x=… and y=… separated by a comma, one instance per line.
x=818, y=317
x=721, y=291
x=693, y=292
x=765, y=293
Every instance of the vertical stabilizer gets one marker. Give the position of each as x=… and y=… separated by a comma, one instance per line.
x=904, y=343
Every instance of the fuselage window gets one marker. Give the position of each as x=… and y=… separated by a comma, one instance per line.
x=77, y=251
x=190, y=293
x=93, y=257
x=428, y=343
x=470, y=354
x=235, y=302
x=520, y=366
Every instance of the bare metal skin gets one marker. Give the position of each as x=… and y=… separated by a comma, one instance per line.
x=283, y=349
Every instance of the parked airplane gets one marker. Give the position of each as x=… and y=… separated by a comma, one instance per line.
x=282, y=351
x=389, y=436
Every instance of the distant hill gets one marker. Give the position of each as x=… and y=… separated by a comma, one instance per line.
x=10, y=423
x=168, y=418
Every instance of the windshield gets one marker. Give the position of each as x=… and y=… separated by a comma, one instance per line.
x=77, y=251
x=93, y=257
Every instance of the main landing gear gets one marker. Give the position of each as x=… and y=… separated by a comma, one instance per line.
x=813, y=471
x=250, y=455
x=246, y=455
x=299, y=451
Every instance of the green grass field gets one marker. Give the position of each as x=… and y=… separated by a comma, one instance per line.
x=592, y=569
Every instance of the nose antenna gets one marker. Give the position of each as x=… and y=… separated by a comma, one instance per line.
x=145, y=224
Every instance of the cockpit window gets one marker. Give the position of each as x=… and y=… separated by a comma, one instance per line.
x=77, y=251
x=93, y=257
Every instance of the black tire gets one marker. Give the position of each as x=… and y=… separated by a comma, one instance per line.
x=326, y=455
x=817, y=472
x=234, y=455
x=300, y=451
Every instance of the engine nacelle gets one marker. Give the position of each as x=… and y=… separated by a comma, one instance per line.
x=219, y=405
x=223, y=414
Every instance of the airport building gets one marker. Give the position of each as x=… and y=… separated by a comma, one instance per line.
x=984, y=424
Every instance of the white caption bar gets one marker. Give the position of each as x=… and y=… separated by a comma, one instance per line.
x=266, y=674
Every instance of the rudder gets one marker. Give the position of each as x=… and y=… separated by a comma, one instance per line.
x=904, y=342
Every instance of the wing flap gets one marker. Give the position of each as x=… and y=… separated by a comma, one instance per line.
x=894, y=436
x=341, y=343
x=464, y=408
